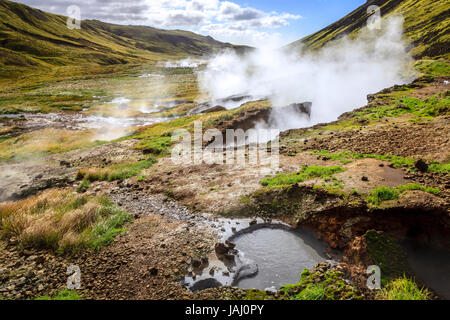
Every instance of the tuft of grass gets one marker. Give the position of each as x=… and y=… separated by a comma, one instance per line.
x=84, y=186
x=65, y=294
x=381, y=194
x=314, y=285
x=434, y=106
x=416, y=186
x=312, y=292
x=404, y=288
x=62, y=221
x=255, y=294
x=398, y=161
x=438, y=167
x=305, y=173
x=433, y=67
x=103, y=232
x=116, y=172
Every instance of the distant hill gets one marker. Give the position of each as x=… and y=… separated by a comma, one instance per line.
x=426, y=26
x=32, y=39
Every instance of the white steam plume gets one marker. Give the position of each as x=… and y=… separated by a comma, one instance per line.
x=336, y=79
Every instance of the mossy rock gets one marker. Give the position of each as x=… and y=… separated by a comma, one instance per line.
x=323, y=282
x=386, y=253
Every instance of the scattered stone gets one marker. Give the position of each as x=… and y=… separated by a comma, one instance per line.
x=421, y=165
x=64, y=163
x=221, y=248
x=196, y=263
x=230, y=244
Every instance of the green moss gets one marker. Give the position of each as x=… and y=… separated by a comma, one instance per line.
x=115, y=172
x=438, y=167
x=245, y=199
x=62, y=295
x=306, y=173
x=386, y=253
x=381, y=194
x=312, y=292
x=434, y=106
x=255, y=295
x=433, y=67
x=404, y=288
x=397, y=161
x=158, y=145
x=316, y=284
x=416, y=186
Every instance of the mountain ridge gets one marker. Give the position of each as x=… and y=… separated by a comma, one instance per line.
x=32, y=38
x=426, y=26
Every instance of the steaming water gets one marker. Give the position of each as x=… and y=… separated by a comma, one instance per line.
x=269, y=256
x=430, y=265
x=280, y=255
x=106, y=128
x=336, y=79
x=185, y=63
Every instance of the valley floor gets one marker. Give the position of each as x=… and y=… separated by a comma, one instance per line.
x=390, y=183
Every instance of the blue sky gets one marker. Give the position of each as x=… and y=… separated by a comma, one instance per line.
x=316, y=14
x=251, y=22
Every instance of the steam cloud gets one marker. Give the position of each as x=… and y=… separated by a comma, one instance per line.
x=336, y=79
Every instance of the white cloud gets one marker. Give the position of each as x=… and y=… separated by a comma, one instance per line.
x=226, y=20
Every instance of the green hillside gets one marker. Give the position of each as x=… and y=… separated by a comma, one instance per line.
x=426, y=26
x=35, y=40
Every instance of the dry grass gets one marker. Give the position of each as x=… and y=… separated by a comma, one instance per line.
x=46, y=141
x=60, y=220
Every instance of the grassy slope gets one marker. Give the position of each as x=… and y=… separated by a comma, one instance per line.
x=35, y=40
x=426, y=26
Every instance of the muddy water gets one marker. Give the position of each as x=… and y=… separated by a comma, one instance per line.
x=269, y=255
x=431, y=266
x=280, y=255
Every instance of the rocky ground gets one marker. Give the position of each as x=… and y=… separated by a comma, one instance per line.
x=172, y=205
